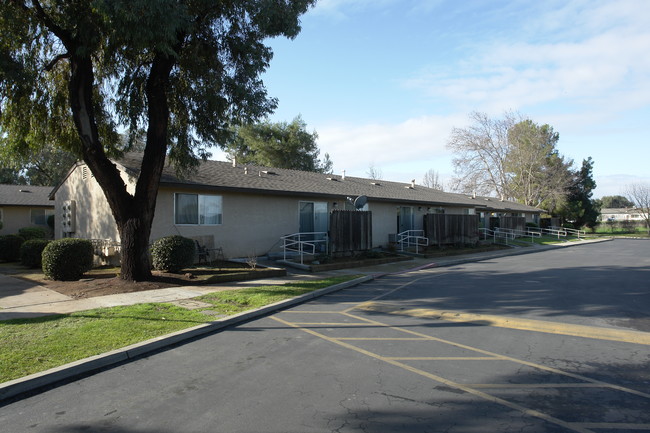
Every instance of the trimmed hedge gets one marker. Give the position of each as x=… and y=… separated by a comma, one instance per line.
x=29, y=233
x=172, y=253
x=10, y=247
x=67, y=259
x=31, y=252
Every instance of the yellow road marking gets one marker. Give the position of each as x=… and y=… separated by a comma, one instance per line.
x=506, y=358
x=330, y=324
x=309, y=312
x=442, y=380
x=444, y=358
x=613, y=425
x=382, y=338
x=635, y=337
x=534, y=385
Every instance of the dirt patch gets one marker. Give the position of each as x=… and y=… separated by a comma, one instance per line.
x=110, y=284
x=101, y=282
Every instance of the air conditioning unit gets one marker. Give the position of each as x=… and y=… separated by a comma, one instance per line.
x=68, y=216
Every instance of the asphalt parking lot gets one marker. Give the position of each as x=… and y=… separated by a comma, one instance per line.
x=544, y=342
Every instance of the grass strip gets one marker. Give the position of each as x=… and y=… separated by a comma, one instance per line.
x=33, y=345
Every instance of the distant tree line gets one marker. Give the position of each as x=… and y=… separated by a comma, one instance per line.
x=515, y=158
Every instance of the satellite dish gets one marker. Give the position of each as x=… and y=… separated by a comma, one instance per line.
x=360, y=202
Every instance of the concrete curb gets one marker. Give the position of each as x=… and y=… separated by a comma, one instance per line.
x=34, y=381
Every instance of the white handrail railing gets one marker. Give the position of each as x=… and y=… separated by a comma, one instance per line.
x=573, y=232
x=303, y=243
x=515, y=234
x=412, y=237
x=556, y=231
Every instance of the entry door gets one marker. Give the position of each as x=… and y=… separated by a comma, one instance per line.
x=313, y=217
x=405, y=219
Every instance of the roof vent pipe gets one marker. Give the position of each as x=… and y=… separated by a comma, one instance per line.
x=234, y=161
x=413, y=183
x=343, y=175
x=474, y=194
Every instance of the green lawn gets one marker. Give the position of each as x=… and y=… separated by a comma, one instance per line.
x=33, y=345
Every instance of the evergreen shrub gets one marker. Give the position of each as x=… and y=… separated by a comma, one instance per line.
x=29, y=233
x=67, y=259
x=172, y=253
x=10, y=247
x=31, y=252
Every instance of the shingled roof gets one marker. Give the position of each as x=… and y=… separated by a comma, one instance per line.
x=256, y=179
x=25, y=195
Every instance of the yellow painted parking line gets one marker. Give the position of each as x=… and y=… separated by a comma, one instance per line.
x=330, y=324
x=382, y=339
x=599, y=333
x=505, y=358
x=444, y=358
x=534, y=385
x=612, y=425
x=308, y=312
x=469, y=390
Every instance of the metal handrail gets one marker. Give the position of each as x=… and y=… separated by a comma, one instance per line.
x=515, y=233
x=556, y=231
x=303, y=243
x=573, y=232
x=412, y=237
x=495, y=234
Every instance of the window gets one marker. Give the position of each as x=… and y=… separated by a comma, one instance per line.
x=313, y=217
x=197, y=209
x=405, y=219
x=39, y=216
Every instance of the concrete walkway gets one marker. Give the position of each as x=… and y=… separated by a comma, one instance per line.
x=22, y=299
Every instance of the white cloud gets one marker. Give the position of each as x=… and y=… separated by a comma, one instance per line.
x=584, y=72
x=412, y=146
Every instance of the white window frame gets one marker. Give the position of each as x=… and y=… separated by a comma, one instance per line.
x=320, y=215
x=200, y=207
x=46, y=214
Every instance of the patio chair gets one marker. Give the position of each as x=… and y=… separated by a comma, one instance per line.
x=202, y=252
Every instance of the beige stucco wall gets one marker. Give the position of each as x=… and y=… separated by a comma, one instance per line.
x=384, y=222
x=15, y=218
x=94, y=219
x=254, y=223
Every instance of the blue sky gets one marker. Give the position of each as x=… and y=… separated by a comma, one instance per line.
x=383, y=82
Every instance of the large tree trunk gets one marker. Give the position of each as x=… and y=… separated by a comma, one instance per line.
x=134, y=235
x=133, y=213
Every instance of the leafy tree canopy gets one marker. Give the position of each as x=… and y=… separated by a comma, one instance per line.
x=537, y=173
x=579, y=208
x=177, y=72
x=615, y=201
x=280, y=145
x=46, y=165
x=511, y=157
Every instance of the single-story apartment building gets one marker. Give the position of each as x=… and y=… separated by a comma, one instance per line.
x=621, y=214
x=24, y=206
x=246, y=209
